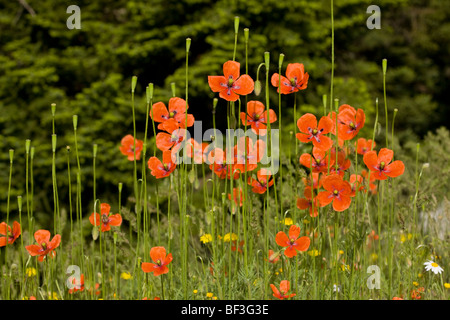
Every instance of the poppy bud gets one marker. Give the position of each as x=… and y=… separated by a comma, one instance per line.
x=75, y=122
x=280, y=62
x=11, y=155
x=236, y=24
x=133, y=83
x=257, y=88
x=267, y=59
x=19, y=203
x=384, y=66
x=149, y=92
x=246, y=34
x=27, y=145
x=94, y=147
x=53, y=106
x=188, y=44
x=120, y=186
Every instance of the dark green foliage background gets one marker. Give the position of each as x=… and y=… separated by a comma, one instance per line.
x=88, y=72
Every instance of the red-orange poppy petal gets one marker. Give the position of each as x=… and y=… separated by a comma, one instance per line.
x=342, y=203
x=326, y=124
x=159, y=112
x=303, y=203
x=282, y=239
x=158, y=253
x=295, y=70
x=34, y=250
x=105, y=208
x=324, y=198
x=148, y=267
x=276, y=292
x=244, y=85
x=272, y=116
x=228, y=95
x=324, y=144
x=217, y=83
x=371, y=160
x=94, y=219
x=302, y=243
x=160, y=270
x=115, y=220
x=255, y=108
x=294, y=232
x=55, y=242
x=2, y=241
x=178, y=105
x=3, y=227
x=395, y=169
x=168, y=259
x=331, y=181
x=284, y=286
x=164, y=141
x=303, y=137
x=306, y=122
x=360, y=118
x=42, y=236
x=290, y=252
x=385, y=155
x=231, y=69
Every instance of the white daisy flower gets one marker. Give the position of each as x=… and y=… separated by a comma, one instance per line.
x=433, y=266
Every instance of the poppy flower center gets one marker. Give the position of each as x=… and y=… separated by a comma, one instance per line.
x=172, y=114
x=105, y=219
x=230, y=82
x=158, y=262
x=256, y=116
x=165, y=166
x=382, y=164
x=352, y=125
x=293, y=81
x=314, y=132
x=44, y=245
x=335, y=192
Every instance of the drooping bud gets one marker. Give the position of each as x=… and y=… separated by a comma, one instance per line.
x=258, y=87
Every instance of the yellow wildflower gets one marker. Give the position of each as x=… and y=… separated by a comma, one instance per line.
x=31, y=272
x=206, y=238
x=227, y=237
x=126, y=275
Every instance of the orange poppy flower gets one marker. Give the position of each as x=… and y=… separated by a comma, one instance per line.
x=237, y=193
x=127, y=147
x=77, y=286
x=293, y=242
x=381, y=165
x=283, y=292
x=356, y=181
x=416, y=293
x=196, y=151
x=337, y=191
x=296, y=79
x=263, y=181
x=231, y=85
x=165, y=141
x=372, y=186
x=161, y=169
x=158, y=255
x=177, y=111
x=318, y=161
x=307, y=202
x=317, y=181
x=397, y=298
x=239, y=248
x=44, y=246
x=350, y=122
x=342, y=165
x=248, y=154
x=311, y=132
x=257, y=118
x=273, y=256
x=363, y=145
x=6, y=232
x=106, y=220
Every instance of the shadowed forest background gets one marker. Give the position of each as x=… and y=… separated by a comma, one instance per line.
x=88, y=72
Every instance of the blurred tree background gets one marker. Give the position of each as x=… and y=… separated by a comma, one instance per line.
x=88, y=72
